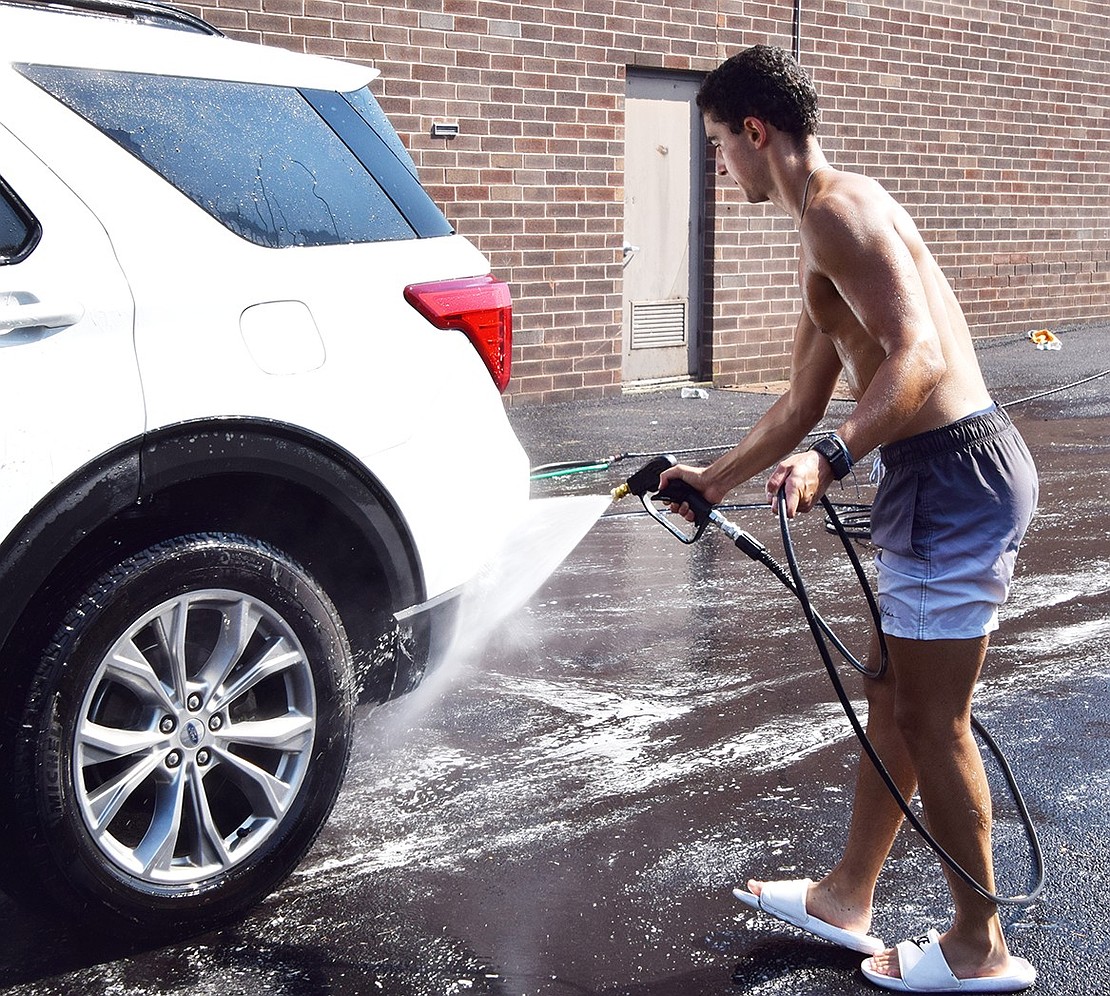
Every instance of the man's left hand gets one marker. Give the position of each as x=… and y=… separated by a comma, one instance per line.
x=803, y=478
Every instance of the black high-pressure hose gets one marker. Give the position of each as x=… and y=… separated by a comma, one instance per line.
x=678, y=492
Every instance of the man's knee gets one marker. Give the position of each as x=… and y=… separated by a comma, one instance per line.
x=925, y=728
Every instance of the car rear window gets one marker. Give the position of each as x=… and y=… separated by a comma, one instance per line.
x=276, y=165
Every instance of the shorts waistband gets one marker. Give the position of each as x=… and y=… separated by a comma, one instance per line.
x=947, y=439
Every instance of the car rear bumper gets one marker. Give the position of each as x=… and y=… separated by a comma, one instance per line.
x=424, y=636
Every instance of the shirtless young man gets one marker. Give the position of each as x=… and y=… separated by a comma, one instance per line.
x=958, y=492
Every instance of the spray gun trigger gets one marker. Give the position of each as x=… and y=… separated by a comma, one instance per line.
x=679, y=493
x=645, y=482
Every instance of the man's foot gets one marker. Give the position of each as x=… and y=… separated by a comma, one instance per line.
x=821, y=902
x=922, y=966
x=798, y=903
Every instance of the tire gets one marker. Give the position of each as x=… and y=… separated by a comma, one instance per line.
x=185, y=737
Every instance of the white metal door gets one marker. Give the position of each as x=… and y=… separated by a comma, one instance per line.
x=663, y=173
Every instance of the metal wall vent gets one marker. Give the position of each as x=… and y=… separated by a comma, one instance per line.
x=657, y=324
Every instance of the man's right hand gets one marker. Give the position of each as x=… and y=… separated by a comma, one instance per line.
x=696, y=478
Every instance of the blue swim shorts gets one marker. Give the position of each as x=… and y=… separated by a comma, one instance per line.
x=951, y=510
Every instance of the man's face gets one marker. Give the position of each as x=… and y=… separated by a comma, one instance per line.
x=736, y=156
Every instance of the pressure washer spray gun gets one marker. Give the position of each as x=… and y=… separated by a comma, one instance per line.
x=644, y=484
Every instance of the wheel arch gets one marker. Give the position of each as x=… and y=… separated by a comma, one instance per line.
x=268, y=479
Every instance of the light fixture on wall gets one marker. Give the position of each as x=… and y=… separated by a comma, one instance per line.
x=441, y=129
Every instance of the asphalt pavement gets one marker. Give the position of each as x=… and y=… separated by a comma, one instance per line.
x=1060, y=398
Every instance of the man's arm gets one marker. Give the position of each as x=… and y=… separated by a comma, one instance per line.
x=814, y=369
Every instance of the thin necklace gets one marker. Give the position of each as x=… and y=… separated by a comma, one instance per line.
x=805, y=192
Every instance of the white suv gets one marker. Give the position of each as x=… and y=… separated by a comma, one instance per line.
x=246, y=367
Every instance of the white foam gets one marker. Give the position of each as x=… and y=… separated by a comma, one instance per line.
x=1032, y=592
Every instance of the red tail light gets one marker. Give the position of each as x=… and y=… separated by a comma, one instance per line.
x=481, y=307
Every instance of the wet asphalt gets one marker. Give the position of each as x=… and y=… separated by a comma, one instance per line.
x=566, y=809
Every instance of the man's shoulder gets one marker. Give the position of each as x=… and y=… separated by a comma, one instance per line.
x=846, y=196
x=850, y=209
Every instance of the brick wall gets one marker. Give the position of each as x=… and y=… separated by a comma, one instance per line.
x=988, y=119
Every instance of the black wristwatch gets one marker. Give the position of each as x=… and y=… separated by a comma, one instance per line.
x=832, y=448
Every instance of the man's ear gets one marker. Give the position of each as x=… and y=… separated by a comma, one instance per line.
x=755, y=131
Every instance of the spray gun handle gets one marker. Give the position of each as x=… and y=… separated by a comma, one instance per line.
x=676, y=493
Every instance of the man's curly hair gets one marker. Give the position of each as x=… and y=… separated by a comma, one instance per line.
x=762, y=82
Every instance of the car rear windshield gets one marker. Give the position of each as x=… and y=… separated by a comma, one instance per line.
x=277, y=165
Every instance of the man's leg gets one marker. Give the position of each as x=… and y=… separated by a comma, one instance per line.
x=844, y=896
x=934, y=681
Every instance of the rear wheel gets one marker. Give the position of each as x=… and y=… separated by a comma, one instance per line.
x=185, y=737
